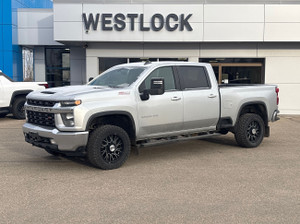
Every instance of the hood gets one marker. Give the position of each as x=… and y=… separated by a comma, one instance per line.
x=68, y=92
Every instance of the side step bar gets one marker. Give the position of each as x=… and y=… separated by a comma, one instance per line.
x=167, y=140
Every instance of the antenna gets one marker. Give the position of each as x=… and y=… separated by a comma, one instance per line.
x=147, y=62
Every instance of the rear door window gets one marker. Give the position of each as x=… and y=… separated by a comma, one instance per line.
x=193, y=77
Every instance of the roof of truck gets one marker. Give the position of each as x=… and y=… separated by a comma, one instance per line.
x=156, y=63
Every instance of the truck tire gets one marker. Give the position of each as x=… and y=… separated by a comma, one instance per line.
x=108, y=147
x=249, y=130
x=18, y=108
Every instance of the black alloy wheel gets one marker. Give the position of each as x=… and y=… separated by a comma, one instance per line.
x=108, y=147
x=249, y=130
x=253, y=131
x=111, y=148
x=18, y=108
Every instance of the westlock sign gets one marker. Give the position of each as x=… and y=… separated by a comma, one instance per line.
x=110, y=22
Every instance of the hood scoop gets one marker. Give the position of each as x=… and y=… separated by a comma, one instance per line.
x=48, y=92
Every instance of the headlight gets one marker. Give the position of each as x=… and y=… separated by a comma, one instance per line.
x=68, y=119
x=70, y=103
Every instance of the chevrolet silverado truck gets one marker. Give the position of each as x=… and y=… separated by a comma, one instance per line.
x=139, y=104
x=13, y=95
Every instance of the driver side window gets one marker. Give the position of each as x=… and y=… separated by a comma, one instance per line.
x=163, y=72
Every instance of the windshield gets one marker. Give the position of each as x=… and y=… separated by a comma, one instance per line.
x=118, y=78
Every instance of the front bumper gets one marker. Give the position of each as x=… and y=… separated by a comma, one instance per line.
x=53, y=139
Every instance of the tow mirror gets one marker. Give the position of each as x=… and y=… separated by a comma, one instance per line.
x=145, y=95
x=157, y=86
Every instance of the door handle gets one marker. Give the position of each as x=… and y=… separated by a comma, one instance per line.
x=175, y=98
x=212, y=96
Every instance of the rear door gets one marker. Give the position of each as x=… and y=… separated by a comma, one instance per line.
x=161, y=114
x=200, y=98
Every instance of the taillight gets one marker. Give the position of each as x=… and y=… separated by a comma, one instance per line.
x=46, y=85
x=277, y=91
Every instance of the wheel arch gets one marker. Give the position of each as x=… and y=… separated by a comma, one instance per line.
x=257, y=107
x=18, y=94
x=122, y=119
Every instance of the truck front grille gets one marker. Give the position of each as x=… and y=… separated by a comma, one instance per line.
x=40, y=118
x=42, y=103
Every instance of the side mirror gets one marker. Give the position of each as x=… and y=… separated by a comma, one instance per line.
x=145, y=95
x=90, y=79
x=157, y=86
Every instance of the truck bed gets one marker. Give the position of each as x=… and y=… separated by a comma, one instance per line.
x=238, y=85
x=234, y=96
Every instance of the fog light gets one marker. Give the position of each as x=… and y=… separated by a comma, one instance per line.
x=69, y=116
x=52, y=142
x=68, y=119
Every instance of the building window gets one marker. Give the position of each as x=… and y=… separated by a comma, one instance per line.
x=57, y=66
x=238, y=70
x=172, y=59
x=131, y=60
x=106, y=63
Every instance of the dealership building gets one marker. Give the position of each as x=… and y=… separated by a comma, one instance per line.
x=245, y=41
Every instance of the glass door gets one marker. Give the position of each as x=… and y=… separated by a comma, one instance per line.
x=57, y=66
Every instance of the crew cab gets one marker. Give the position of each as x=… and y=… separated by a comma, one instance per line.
x=13, y=95
x=139, y=104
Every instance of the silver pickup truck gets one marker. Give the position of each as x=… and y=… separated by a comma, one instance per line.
x=132, y=105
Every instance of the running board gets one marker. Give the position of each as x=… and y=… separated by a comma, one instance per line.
x=163, y=141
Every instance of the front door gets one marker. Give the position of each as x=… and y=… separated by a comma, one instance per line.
x=161, y=114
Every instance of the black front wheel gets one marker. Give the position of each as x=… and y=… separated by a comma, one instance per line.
x=249, y=130
x=108, y=147
x=18, y=108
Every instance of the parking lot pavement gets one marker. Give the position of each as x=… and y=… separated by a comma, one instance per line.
x=198, y=181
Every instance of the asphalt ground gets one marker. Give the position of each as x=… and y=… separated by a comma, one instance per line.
x=197, y=181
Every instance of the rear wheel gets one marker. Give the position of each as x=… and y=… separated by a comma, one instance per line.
x=18, y=108
x=249, y=130
x=108, y=147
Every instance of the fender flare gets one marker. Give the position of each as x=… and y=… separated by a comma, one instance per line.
x=18, y=93
x=258, y=103
x=111, y=113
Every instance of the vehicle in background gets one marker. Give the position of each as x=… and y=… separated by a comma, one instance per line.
x=13, y=95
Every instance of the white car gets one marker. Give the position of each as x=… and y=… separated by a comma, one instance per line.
x=13, y=95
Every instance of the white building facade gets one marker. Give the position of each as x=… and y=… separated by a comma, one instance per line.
x=245, y=41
